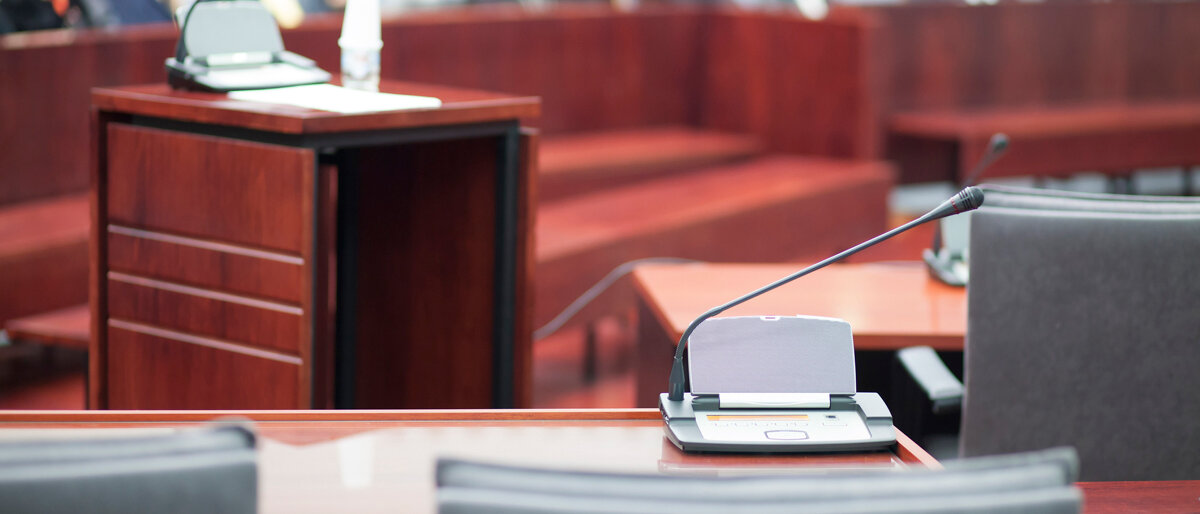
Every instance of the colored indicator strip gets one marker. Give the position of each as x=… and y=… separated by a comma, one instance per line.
x=730, y=417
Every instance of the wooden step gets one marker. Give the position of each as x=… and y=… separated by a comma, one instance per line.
x=766, y=210
x=578, y=164
x=64, y=327
x=43, y=255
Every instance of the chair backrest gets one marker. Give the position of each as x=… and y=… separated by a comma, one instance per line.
x=1036, y=482
x=950, y=262
x=204, y=470
x=1055, y=200
x=1084, y=330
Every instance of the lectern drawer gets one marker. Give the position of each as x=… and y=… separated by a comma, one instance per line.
x=226, y=317
x=223, y=267
x=222, y=189
x=157, y=369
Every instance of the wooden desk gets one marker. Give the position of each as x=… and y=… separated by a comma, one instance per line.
x=1127, y=497
x=1114, y=138
x=234, y=242
x=383, y=461
x=888, y=305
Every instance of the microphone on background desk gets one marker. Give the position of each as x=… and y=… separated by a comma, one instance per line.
x=946, y=256
x=968, y=199
x=995, y=149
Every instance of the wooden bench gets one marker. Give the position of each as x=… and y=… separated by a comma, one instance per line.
x=1077, y=86
x=767, y=209
x=69, y=327
x=43, y=255
x=588, y=162
x=1114, y=139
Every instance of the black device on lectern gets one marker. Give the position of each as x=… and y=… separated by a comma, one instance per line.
x=229, y=45
x=779, y=384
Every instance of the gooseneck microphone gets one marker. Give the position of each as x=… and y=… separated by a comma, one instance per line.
x=995, y=149
x=997, y=145
x=968, y=199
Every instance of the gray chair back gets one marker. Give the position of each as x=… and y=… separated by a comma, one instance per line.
x=1084, y=330
x=1034, y=482
x=191, y=471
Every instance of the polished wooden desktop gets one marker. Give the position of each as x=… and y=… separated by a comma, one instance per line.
x=254, y=256
x=382, y=461
x=888, y=305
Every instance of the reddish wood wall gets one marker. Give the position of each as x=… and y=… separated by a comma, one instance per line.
x=595, y=69
x=800, y=86
x=1012, y=54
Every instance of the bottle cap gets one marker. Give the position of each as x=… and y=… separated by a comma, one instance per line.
x=360, y=26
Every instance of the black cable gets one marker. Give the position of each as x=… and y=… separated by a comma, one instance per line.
x=574, y=307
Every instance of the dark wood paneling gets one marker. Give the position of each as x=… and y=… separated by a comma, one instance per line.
x=44, y=100
x=526, y=264
x=206, y=312
x=322, y=308
x=147, y=371
x=800, y=86
x=1013, y=54
x=1163, y=41
x=236, y=269
x=245, y=193
x=423, y=297
x=53, y=277
x=593, y=68
x=97, y=391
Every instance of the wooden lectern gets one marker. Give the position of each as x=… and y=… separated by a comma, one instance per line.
x=263, y=256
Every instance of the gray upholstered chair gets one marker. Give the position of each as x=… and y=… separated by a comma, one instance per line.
x=1084, y=330
x=949, y=260
x=1033, y=482
x=196, y=470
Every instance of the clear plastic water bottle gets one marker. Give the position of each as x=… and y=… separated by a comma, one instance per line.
x=360, y=44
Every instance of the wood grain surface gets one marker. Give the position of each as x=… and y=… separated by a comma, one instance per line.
x=888, y=305
x=458, y=106
x=425, y=265
x=150, y=368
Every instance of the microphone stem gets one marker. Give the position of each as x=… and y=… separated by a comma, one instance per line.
x=677, y=364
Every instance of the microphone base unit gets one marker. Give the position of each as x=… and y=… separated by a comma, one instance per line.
x=852, y=423
x=952, y=272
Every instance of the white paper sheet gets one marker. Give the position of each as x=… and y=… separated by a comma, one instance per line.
x=328, y=97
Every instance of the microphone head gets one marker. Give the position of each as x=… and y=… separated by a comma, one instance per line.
x=998, y=144
x=970, y=198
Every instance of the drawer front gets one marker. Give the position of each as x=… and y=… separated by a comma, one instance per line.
x=237, y=319
x=234, y=269
x=206, y=187
x=150, y=368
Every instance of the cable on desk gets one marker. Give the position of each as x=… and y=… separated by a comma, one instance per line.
x=624, y=269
